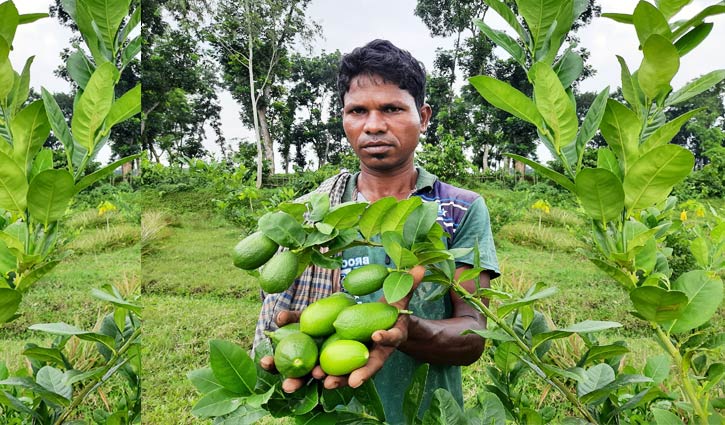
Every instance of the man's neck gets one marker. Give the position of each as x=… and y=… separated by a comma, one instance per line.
x=400, y=184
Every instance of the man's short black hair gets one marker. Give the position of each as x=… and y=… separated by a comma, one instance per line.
x=383, y=58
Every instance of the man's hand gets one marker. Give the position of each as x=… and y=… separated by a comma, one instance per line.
x=289, y=385
x=385, y=342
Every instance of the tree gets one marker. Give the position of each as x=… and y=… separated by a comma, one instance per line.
x=252, y=40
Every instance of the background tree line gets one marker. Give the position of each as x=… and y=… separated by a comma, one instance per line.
x=259, y=51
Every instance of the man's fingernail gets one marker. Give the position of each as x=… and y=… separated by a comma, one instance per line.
x=358, y=384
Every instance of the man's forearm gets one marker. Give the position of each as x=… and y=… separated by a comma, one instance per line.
x=441, y=342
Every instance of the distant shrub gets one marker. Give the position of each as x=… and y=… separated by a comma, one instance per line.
x=106, y=239
x=542, y=237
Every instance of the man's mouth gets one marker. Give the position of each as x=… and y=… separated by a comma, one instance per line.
x=375, y=147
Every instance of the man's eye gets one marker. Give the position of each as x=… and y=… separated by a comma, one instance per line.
x=392, y=109
x=356, y=111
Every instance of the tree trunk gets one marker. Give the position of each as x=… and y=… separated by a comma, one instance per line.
x=266, y=137
x=486, y=151
x=521, y=168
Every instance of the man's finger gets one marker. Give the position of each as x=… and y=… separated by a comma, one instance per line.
x=286, y=317
x=267, y=363
x=291, y=385
x=392, y=337
x=318, y=373
x=332, y=382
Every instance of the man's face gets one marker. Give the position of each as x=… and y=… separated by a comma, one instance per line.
x=382, y=123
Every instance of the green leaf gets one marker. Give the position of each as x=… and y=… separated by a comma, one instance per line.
x=124, y=107
x=93, y=105
x=345, y=215
x=7, y=74
x=414, y=394
x=657, y=304
x=680, y=27
x=489, y=410
x=591, y=122
x=607, y=161
x=419, y=222
x=658, y=368
x=508, y=307
x=600, y=193
x=49, y=195
x=13, y=185
x=700, y=250
x=30, y=128
x=131, y=51
x=554, y=105
x=22, y=89
x=704, y=292
x=9, y=21
x=667, y=132
x=662, y=416
x=594, y=378
x=107, y=15
x=394, y=219
x=43, y=161
x=670, y=8
x=25, y=382
x=648, y=20
x=111, y=295
x=9, y=303
x=660, y=64
x=373, y=215
x=559, y=178
x=651, y=178
x=598, y=353
x=283, y=229
x=600, y=394
x=504, y=41
x=132, y=23
x=298, y=403
x=539, y=16
x=80, y=68
x=41, y=354
x=28, y=18
x=54, y=380
x=66, y=329
x=510, y=17
x=620, y=127
x=320, y=203
x=614, y=272
x=569, y=68
x=58, y=123
x=695, y=87
x=630, y=90
x=443, y=410
x=325, y=261
x=503, y=96
x=393, y=245
x=582, y=327
x=103, y=172
x=216, y=403
x=397, y=285
x=693, y=38
x=232, y=367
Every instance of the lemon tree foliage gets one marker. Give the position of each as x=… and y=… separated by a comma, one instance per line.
x=34, y=195
x=626, y=196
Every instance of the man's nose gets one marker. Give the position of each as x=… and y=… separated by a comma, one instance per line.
x=375, y=123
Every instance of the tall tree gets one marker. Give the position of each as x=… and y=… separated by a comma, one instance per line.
x=252, y=41
x=179, y=86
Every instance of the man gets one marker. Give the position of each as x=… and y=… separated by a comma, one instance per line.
x=382, y=89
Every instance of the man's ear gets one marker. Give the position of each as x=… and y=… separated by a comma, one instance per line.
x=425, y=114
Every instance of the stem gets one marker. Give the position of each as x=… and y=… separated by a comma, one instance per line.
x=482, y=308
x=682, y=371
x=88, y=388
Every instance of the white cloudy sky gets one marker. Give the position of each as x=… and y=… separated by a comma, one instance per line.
x=347, y=25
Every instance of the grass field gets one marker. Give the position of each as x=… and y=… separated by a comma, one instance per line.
x=192, y=293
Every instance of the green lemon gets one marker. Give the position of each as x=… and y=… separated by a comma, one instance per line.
x=329, y=340
x=279, y=272
x=317, y=318
x=295, y=355
x=360, y=321
x=365, y=280
x=253, y=251
x=282, y=332
x=343, y=356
